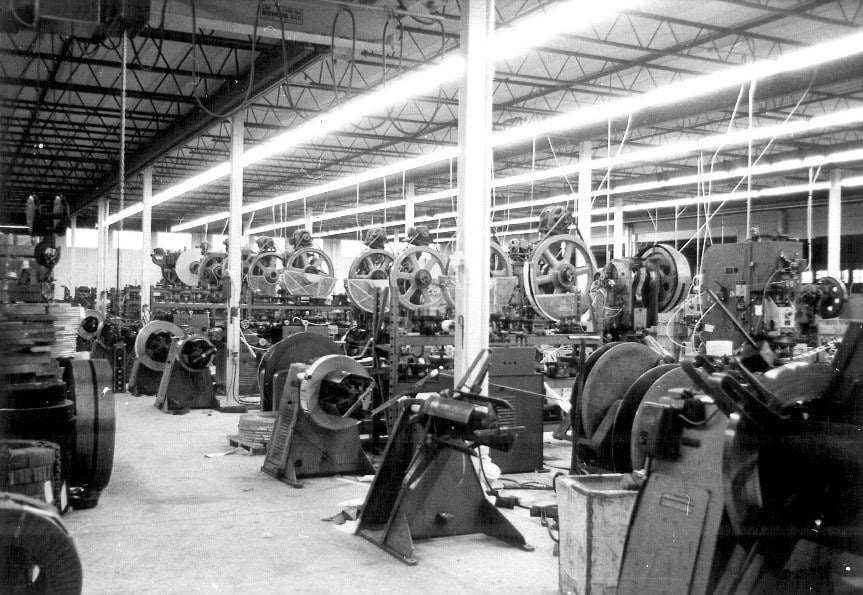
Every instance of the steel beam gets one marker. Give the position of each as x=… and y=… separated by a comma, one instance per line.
x=269, y=72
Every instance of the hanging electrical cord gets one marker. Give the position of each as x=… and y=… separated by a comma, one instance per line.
x=440, y=52
x=349, y=71
x=760, y=155
x=123, y=83
x=197, y=79
x=749, y=161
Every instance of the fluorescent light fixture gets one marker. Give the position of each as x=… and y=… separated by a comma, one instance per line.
x=346, y=182
x=509, y=42
x=844, y=47
x=653, y=154
x=556, y=19
x=663, y=152
x=13, y=227
x=221, y=216
x=695, y=87
x=202, y=179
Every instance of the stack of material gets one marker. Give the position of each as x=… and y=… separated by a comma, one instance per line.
x=66, y=320
x=256, y=427
x=26, y=340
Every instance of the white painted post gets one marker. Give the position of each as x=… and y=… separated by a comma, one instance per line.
x=410, y=194
x=474, y=181
x=147, y=236
x=834, y=225
x=102, y=247
x=619, y=237
x=584, y=181
x=73, y=254
x=235, y=265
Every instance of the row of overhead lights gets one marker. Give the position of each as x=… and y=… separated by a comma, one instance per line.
x=678, y=92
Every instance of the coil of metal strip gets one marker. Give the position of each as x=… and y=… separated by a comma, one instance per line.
x=89, y=383
x=43, y=558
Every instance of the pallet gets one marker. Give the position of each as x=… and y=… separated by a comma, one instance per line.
x=255, y=448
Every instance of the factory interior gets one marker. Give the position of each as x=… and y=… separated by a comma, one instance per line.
x=431, y=296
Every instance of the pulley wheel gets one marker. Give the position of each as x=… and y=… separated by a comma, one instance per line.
x=675, y=276
x=263, y=272
x=89, y=385
x=417, y=274
x=40, y=556
x=559, y=265
x=90, y=324
x=672, y=383
x=186, y=269
x=610, y=378
x=211, y=270
x=622, y=430
x=153, y=343
x=295, y=349
x=836, y=294
x=373, y=266
x=312, y=261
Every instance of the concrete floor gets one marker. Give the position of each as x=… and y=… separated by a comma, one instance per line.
x=174, y=521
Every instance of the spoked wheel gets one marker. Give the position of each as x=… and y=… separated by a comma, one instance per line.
x=559, y=265
x=369, y=268
x=417, y=278
x=212, y=269
x=263, y=272
x=311, y=261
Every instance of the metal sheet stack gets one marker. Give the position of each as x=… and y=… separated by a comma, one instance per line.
x=66, y=320
x=27, y=337
x=257, y=427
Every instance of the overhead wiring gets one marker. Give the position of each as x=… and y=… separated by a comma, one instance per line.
x=197, y=79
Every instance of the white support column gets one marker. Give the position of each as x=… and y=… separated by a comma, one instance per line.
x=410, y=215
x=73, y=254
x=834, y=225
x=619, y=240
x=235, y=264
x=147, y=235
x=474, y=181
x=584, y=180
x=102, y=247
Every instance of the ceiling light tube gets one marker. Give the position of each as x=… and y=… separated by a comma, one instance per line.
x=509, y=42
x=659, y=153
x=675, y=93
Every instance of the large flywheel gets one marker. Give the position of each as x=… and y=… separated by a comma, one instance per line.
x=263, y=272
x=558, y=276
x=418, y=275
x=308, y=272
x=675, y=276
x=369, y=273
